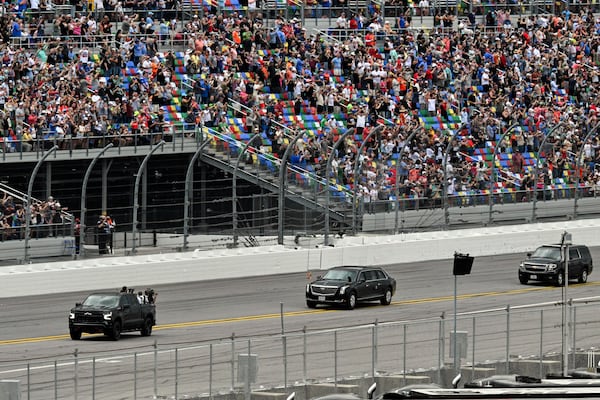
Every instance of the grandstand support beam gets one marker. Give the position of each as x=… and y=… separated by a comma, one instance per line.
x=445, y=183
x=83, y=208
x=356, y=168
x=411, y=135
x=493, y=179
x=282, y=180
x=234, y=189
x=537, y=167
x=327, y=175
x=578, y=166
x=28, y=201
x=136, y=190
x=188, y=192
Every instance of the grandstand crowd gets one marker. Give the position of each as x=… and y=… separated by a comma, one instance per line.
x=453, y=90
x=46, y=218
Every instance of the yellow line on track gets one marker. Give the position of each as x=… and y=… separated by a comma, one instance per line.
x=305, y=312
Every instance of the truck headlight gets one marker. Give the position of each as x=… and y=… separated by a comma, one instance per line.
x=551, y=267
x=108, y=316
x=522, y=267
x=71, y=315
x=343, y=289
x=308, y=288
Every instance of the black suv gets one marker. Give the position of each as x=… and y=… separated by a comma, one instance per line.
x=546, y=264
x=349, y=285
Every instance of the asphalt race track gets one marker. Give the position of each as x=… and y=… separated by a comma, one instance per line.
x=34, y=329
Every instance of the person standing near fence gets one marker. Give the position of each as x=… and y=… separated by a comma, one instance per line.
x=102, y=225
x=109, y=234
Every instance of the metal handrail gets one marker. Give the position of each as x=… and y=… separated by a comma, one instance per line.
x=23, y=197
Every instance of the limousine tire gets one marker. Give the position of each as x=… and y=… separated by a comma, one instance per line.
x=311, y=304
x=387, y=297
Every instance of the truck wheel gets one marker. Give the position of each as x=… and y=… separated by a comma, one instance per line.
x=75, y=333
x=115, y=334
x=311, y=304
x=147, y=328
x=523, y=279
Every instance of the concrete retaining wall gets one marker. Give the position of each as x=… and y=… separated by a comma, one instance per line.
x=156, y=269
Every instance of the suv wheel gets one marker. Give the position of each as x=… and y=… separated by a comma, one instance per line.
x=560, y=279
x=387, y=298
x=584, y=276
x=351, y=301
x=523, y=279
x=311, y=304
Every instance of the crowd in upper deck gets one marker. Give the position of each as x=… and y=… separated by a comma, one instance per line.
x=484, y=72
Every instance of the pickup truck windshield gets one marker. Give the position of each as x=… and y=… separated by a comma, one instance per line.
x=102, y=300
x=552, y=253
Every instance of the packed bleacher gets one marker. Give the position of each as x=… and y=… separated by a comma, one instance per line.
x=455, y=90
x=47, y=218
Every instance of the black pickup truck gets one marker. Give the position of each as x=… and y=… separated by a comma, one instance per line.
x=111, y=313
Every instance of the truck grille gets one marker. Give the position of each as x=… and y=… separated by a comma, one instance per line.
x=535, y=267
x=88, y=317
x=324, y=290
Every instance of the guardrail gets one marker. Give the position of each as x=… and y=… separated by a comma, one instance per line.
x=296, y=358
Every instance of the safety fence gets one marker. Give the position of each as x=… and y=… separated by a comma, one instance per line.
x=496, y=337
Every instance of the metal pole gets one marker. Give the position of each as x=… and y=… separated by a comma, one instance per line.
x=234, y=190
x=397, y=188
x=285, y=362
x=335, y=361
x=404, y=353
x=327, y=178
x=28, y=201
x=565, y=241
x=282, y=179
x=247, y=390
x=445, y=184
x=83, y=208
x=281, y=318
x=76, y=375
x=155, y=345
x=578, y=167
x=455, y=352
x=492, y=173
x=357, y=165
x=537, y=166
x=29, y=383
x=441, y=334
x=134, y=376
x=541, y=343
x=56, y=382
x=136, y=189
x=573, y=311
x=507, y=338
x=176, y=372
x=304, y=347
x=188, y=191
x=210, y=370
x=473, y=354
x=232, y=361
x=373, y=348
